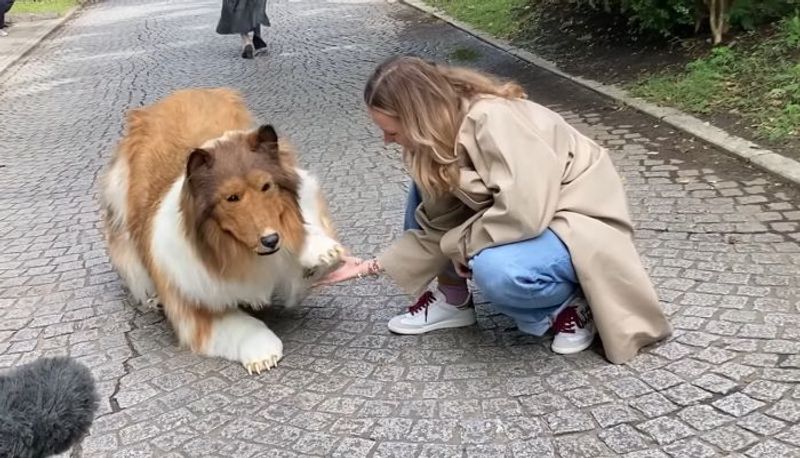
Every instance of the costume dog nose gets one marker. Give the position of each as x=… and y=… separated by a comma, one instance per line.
x=270, y=241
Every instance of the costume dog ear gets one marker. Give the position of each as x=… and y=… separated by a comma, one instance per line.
x=198, y=159
x=265, y=140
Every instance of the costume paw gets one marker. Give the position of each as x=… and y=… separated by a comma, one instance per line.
x=261, y=351
x=320, y=253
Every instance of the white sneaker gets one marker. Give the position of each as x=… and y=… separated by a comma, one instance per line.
x=574, y=328
x=432, y=312
x=3, y=33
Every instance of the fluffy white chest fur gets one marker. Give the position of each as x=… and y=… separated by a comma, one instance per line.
x=183, y=268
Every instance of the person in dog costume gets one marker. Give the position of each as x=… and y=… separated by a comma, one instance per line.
x=508, y=194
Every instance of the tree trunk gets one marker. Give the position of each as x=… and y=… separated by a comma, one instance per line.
x=718, y=18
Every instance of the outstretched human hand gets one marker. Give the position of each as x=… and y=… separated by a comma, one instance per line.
x=350, y=268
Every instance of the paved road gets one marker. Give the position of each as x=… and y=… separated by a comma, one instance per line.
x=720, y=240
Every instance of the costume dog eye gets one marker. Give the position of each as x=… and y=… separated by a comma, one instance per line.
x=232, y=198
x=266, y=187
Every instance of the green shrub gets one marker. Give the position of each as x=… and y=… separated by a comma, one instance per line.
x=682, y=17
x=664, y=17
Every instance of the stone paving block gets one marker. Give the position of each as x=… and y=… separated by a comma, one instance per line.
x=666, y=430
x=771, y=448
x=580, y=446
x=661, y=379
x=623, y=439
x=715, y=384
x=694, y=448
x=440, y=451
x=533, y=448
x=791, y=436
x=737, y=404
x=653, y=405
x=395, y=449
x=628, y=387
x=568, y=421
x=786, y=410
x=315, y=443
x=520, y=428
x=689, y=368
x=585, y=397
x=650, y=453
x=730, y=438
x=611, y=415
x=686, y=394
x=353, y=447
x=703, y=417
x=544, y=403
x=761, y=424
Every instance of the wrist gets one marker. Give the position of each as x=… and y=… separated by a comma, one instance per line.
x=374, y=267
x=371, y=268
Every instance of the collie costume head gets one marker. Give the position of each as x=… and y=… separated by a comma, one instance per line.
x=241, y=192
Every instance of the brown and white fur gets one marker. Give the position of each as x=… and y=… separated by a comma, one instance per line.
x=205, y=213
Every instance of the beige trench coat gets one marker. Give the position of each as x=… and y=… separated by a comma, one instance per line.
x=524, y=168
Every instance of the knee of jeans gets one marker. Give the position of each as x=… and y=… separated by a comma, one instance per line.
x=496, y=279
x=504, y=282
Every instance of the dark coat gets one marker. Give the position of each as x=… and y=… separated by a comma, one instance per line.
x=5, y=6
x=242, y=16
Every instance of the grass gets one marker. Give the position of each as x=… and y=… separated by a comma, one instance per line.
x=761, y=84
x=494, y=16
x=43, y=6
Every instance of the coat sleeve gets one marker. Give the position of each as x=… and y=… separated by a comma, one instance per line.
x=416, y=257
x=521, y=171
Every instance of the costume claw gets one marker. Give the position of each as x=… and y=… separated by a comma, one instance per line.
x=332, y=255
x=258, y=367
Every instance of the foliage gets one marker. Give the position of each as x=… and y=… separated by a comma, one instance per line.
x=761, y=84
x=42, y=6
x=683, y=17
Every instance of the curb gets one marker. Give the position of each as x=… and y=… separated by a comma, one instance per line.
x=40, y=37
x=786, y=168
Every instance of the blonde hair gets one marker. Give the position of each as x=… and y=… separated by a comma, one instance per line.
x=427, y=99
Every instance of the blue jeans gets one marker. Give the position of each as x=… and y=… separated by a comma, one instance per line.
x=527, y=280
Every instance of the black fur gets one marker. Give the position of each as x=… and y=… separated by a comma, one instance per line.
x=45, y=407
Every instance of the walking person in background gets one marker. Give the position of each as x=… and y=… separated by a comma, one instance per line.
x=5, y=6
x=245, y=18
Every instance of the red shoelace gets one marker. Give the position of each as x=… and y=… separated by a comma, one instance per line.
x=567, y=320
x=423, y=303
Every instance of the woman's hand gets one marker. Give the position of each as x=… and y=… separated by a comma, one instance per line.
x=351, y=267
x=462, y=270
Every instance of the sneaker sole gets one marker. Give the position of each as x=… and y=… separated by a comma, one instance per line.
x=432, y=327
x=572, y=350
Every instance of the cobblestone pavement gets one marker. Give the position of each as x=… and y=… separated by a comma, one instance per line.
x=720, y=240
